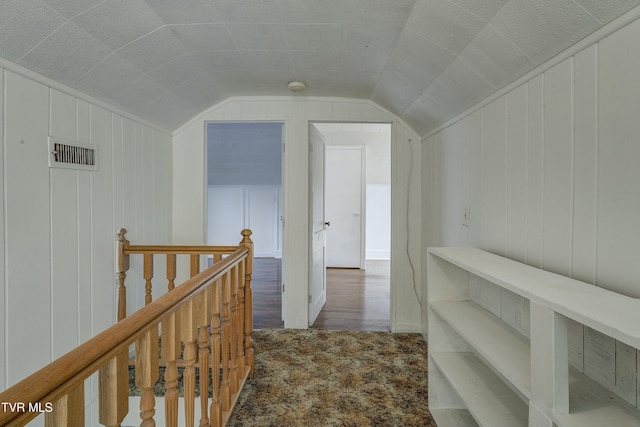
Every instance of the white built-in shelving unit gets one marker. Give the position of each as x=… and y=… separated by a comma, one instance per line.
x=483, y=371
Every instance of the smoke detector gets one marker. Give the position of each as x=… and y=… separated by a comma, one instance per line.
x=297, y=86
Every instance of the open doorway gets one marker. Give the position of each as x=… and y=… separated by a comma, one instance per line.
x=244, y=190
x=357, y=198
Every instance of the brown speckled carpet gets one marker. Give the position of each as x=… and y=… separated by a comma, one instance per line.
x=318, y=378
x=332, y=378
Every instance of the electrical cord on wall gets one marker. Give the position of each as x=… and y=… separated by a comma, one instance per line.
x=413, y=270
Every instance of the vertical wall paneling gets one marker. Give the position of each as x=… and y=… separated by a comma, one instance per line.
x=83, y=245
x=58, y=225
x=571, y=182
x=148, y=190
x=102, y=239
x=494, y=172
x=117, y=171
x=626, y=384
x=435, y=175
x=516, y=238
x=452, y=201
x=3, y=314
x=535, y=165
x=64, y=232
x=128, y=178
x=558, y=168
x=139, y=186
x=188, y=223
x=426, y=183
x=618, y=172
x=585, y=165
x=28, y=225
x=83, y=133
x=473, y=176
x=162, y=176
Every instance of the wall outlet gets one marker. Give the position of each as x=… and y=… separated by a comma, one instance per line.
x=466, y=216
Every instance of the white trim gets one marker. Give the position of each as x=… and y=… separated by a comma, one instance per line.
x=593, y=38
x=407, y=328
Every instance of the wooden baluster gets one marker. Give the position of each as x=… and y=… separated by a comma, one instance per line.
x=248, y=300
x=123, y=267
x=194, y=264
x=147, y=374
x=215, y=302
x=113, y=390
x=202, y=313
x=233, y=333
x=170, y=349
x=148, y=275
x=171, y=271
x=241, y=315
x=68, y=411
x=188, y=335
x=225, y=397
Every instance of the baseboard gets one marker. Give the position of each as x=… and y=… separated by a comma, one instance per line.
x=413, y=328
x=378, y=255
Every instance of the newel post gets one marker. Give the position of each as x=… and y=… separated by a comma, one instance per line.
x=123, y=267
x=248, y=300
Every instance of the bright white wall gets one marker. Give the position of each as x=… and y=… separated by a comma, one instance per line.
x=550, y=171
x=58, y=226
x=296, y=113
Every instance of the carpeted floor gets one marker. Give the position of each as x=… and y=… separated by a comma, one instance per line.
x=330, y=378
x=334, y=378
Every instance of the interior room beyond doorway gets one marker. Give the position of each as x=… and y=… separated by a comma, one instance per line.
x=358, y=171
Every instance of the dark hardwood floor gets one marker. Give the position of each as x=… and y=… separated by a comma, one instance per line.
x=357, y=300
x=266, y=283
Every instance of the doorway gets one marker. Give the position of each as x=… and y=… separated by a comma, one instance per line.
x=244, y=190
x=358, y=168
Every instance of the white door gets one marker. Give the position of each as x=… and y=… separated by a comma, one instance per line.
x=344, y=205
x=317, y=262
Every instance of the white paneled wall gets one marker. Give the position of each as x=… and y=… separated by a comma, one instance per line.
x=557, y=159
x=296, y=113
x=58, y=226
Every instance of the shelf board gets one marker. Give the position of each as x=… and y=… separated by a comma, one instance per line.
x=591, y=404
x=488, y=399
x=502, y=347
x=611, y=313
x=453, y=418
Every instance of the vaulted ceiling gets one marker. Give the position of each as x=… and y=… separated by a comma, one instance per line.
x=167, y=60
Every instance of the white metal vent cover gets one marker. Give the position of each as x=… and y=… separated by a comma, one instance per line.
x=72, y=154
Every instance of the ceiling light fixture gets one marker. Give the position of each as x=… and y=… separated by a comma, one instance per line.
x=297, y=86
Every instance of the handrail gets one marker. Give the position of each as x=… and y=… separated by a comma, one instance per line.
x=197, y=250
x=59, y=377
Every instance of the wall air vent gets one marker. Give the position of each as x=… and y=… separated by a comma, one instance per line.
x=72, y=154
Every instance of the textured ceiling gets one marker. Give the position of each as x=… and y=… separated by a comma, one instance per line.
x=168, y=60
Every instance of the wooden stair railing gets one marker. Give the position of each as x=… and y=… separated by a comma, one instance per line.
x=210, y=315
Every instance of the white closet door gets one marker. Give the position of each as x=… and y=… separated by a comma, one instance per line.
x=226, y=215
x=263, y=219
